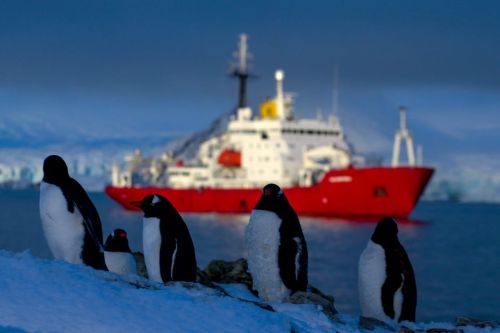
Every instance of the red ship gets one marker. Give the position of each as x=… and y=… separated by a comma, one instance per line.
x=308, y=158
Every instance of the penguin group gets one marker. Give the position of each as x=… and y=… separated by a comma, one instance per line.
x=276, y=248
x=73, y=230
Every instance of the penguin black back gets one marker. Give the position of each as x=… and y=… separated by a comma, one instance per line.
x=293, y=247
x=117, y=241
x=399, y=271
x=177, y=256
x=56, y=173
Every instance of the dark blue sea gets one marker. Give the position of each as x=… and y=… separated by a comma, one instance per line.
x=454, y=248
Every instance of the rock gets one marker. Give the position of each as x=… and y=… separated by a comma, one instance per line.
x=314, y=296
x=203, y=278
x=222, y=271
x=443, y=330
x=372, y=323
x=140, y=264
x=316, y=291
x=466, y=321
x=404, y=329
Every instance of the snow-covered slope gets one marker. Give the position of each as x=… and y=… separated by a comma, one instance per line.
x=39, y=295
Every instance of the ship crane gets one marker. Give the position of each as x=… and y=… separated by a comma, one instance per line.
x=403, y=134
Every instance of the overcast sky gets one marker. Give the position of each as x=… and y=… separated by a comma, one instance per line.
x=110, y=68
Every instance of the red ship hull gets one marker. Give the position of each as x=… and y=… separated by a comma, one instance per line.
x=352, y=192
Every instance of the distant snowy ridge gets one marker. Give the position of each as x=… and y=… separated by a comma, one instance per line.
x=187, y=147
x=23, y=146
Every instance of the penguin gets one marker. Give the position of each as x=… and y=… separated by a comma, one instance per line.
x=276, y=247
x=117, y=254
x=386, y=282
x=70, y=221
x=168, y=248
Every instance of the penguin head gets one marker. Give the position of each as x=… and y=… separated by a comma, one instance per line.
x=386, y=231
x=272, y=198
x=55, y=169
x=117, y=242
x=155, y=205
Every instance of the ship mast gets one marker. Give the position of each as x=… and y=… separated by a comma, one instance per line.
x=241, y=71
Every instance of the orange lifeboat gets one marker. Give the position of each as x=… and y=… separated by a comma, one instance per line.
x=230, y=158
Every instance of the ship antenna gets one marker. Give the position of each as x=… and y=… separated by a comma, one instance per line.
x=335, y=94
x=241, y=69
x=403, y=134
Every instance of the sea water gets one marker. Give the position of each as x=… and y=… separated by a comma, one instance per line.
x=454, y=249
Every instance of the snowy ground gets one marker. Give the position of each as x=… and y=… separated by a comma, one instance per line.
x=39, y=295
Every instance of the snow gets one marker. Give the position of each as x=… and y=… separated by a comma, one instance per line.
x=40, y=295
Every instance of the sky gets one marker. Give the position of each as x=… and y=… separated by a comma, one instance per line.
x=119, y=69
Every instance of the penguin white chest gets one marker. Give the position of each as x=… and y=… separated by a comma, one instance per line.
x=63, y=230
x=151, y=243
x=262, y=239
x=120, y=262
x=371, y=277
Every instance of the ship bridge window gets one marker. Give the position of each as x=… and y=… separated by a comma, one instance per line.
x=178, y=173
x=309, y=132
x=379, y=191
x=243, y=131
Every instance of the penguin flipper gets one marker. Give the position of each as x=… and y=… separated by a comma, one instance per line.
x=167, y=251
x=409, y=290
x=292, y=259
x=391, y=285
x=91, y=255
x=394, y=280
x=92, y=252
x=87, y=210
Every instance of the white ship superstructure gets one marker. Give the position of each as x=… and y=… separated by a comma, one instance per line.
x=270, y=147
x=256, y=149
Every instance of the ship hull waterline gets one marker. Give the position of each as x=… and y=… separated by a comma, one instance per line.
x=352, y=192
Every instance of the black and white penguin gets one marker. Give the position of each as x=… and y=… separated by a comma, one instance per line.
x=117, y=253
x=386, y=282
x=276, y=247
x=70, y=220
x=168, y=248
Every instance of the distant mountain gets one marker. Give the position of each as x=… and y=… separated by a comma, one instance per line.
x=24, y=145
x=186, y=148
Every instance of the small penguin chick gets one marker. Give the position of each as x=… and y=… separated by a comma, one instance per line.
x=117, y=253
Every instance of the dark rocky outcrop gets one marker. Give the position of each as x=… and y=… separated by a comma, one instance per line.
x=443, y=330
x=221, y=271
x=371, y=324
x=315, y=296
x=466, y=321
